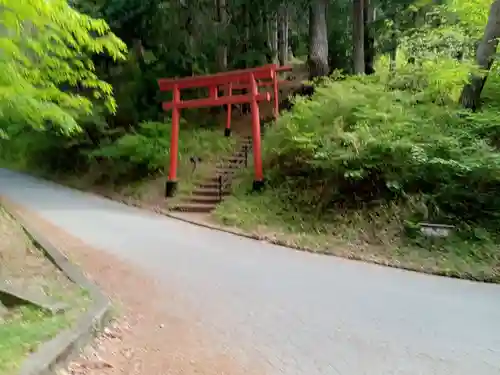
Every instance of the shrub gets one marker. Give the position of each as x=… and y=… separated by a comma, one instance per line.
x=145, y=151
x=368, y=141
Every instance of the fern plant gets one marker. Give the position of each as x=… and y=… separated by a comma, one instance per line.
x=369, y=140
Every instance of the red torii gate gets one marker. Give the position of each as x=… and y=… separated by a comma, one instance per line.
x=238, y=79
x=261, y=82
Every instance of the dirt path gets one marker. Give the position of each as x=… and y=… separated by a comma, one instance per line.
x=144, y=339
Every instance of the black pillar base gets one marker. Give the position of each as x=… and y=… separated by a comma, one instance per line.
x=170, y=188
x=227, y=132
x=258, y=186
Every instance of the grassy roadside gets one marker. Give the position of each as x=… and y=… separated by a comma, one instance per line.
x=23, y=331
x=24, y=328
x=374, y=235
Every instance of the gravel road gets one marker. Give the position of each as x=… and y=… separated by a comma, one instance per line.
x=299, y=313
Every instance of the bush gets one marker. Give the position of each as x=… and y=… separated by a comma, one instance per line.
x=145, y=152
x=365, y=142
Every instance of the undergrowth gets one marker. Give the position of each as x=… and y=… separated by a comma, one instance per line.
x=148, y=150
x=368, y=159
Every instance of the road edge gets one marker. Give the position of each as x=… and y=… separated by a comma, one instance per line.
x=277, y=242
x=58, y=352
x=178, y=215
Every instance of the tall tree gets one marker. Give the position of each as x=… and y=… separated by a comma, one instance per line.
x=318, y=39
x=485, y=56
x=358, y=36
x=221, y=9
x=46, y=72
x=283, y=34
x=369, y=37
x=272, y=30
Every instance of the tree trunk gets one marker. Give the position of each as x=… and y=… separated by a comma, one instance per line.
x=221, y=29
x=393, y=47
x=318, y=39
x=369, y=37
x=358, y=37
x=283, y=34
x=392, y=59
x=246, y=12
x=471, y=93
x=190, y=29
x=273, y=36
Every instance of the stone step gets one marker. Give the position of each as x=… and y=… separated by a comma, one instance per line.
x=249, y=139
x=208, y=184
x=235, y=159
x=226, y=169
x=242, y=145
x=230, y=166
x=240, y=154
x=214, y=181
x=209, y=192
x=194, y=207
x=204, y=199
x=233, y=165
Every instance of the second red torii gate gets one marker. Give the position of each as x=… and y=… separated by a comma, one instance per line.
x=246, y=78
x=261, y=82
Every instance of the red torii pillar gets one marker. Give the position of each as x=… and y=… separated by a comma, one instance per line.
x=258, y=182
x=171, y=185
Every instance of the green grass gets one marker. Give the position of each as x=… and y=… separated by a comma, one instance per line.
x=374, y=235
x=23, y=330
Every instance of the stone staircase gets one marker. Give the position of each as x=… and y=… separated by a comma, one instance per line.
x=211, y=191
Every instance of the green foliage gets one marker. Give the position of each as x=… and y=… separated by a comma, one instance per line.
x=46, y=49
x=340, y=36
x=146, y=151
x=390, y=138
x=428, y=42
x=442, y=77
x=357, y=167
x=472, y=14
